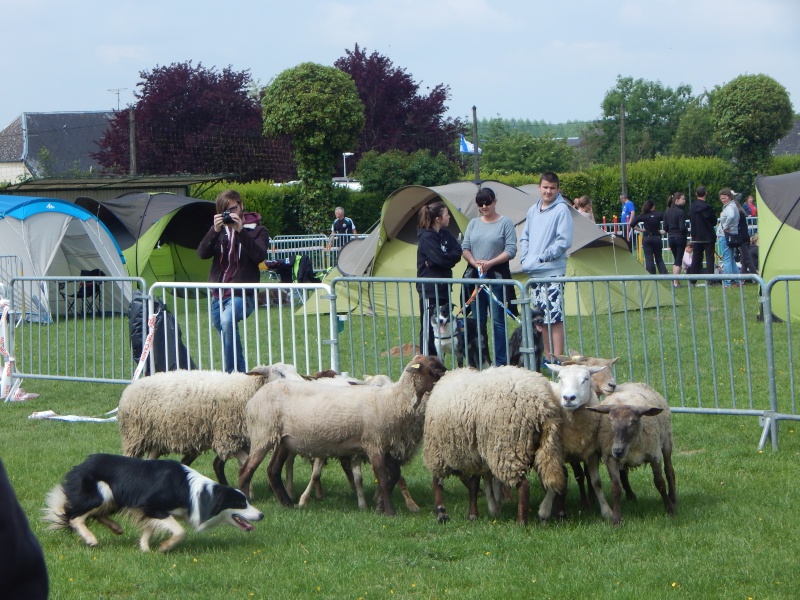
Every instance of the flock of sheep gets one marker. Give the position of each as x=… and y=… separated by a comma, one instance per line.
x=492, y=427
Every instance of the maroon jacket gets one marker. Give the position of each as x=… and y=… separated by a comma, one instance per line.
x=241, y=261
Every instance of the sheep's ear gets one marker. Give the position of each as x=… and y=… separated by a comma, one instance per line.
x=644, y=411
x=260, y=371
x=562, y=359
x=603, y=409
x=412, y=367
x=594, y=370
x=555, y=368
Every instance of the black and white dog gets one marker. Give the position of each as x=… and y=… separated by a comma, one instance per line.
x=515, y=357
x=154, y=492
x=460, y=336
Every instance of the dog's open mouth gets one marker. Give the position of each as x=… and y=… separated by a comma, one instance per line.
x=243, y=523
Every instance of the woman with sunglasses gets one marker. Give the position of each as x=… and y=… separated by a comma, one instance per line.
x=489, y=243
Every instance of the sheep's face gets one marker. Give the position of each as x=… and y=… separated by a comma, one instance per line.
x=626, y=423
x=576, y=384
x=604, y=380
x=427, y=370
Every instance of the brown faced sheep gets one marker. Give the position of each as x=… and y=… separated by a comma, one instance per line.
x=497, y=423
x=189, y=412
x=638, y=430
x=318, y=421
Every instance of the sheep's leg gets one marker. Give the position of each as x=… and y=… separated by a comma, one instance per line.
x=593, y=470
x=274, y=468
x=580, y=478
x=379, y=467
x=474, y=486
x=316, y=472
x=358, y=481
x=671, y=494
x=438, y=500
x=289, y=468
x=219, y=470
x=492, y=493
x=616, y=489
x=410, y=504
x=249, y=468
x=347, y=467
x=188, y=458
x=630, y=496
x=523, y=500
x=661, y=486
x=153, y=454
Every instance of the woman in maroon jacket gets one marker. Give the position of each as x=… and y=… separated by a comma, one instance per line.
x=237, y=242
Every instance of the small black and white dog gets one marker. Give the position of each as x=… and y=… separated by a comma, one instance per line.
x=460, y=336
x=515, y=342
x=154, y=492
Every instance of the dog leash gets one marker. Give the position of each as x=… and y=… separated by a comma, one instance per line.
x=483, y=286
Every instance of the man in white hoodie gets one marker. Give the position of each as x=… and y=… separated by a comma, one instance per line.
x=543, y=253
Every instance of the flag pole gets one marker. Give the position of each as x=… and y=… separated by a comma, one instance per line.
x=475, y=142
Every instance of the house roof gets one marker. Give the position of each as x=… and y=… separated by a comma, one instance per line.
x=54, y=144
x=789, y=144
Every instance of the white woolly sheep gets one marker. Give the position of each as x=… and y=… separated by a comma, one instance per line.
x=576, y=391
x=189, y=412
x=628, y=441
x=385, y=424
x=497, y=423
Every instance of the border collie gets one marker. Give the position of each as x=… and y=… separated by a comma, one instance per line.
x=155, y=493
x=460, y=336
x=515, y=342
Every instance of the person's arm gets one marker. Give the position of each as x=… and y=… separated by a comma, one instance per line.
x=255, y=246
x=209, y=242
x=562, y=240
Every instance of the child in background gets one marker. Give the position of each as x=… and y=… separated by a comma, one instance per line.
x=687, y=258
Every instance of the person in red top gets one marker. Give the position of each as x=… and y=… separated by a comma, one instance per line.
x=750, y=207
x=237, y=243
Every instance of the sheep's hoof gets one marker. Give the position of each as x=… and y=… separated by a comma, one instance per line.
x=441, y=514
x=472, y=517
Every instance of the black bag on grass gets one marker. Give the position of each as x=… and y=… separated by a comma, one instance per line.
x=168, y=350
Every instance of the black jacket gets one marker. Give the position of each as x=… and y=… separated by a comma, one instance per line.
x=675, y=222
x=650, y=222
x=703, y=221
x=437, y=253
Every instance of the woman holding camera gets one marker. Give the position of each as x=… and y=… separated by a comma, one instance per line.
x=237, y=243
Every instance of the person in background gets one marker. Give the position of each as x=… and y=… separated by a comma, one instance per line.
x=728, y=222
x=750, y=207
x=342, y=230
x=543, y=253
x=677, y=232
x=490, y=242
x=237, y=243
x=754, y=249
x=649, y=225
x=584, y=206
x=686, y=264
x=437, y=253
x=626, y=217
x=745, y=257
x=702, y=221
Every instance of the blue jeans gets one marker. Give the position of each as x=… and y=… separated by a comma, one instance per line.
x=482, y=301
x=226, y=321
x=728, y=263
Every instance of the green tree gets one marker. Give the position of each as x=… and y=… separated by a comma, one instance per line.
x=508, y=150
x=652, y=114
x=386, y=172
x=751, y=113
x=320, y=109
x=695, y=135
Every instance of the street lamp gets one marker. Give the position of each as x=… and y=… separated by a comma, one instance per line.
x=344, y=163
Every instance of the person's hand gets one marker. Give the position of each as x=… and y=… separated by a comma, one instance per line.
x=218, y=223
x=238, y=225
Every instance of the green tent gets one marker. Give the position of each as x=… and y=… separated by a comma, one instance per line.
x=158, y=233
x=390, y=251
x=778, y=199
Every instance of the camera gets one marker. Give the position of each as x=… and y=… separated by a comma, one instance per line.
x=227, y=218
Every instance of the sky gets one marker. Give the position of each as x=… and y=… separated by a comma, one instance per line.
x=518, y=59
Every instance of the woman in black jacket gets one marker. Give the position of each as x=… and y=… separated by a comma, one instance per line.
x=677, y=231
x=649, y=225
x=437, y=253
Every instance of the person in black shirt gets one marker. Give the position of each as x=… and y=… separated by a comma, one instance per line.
x=703, y=222
x=675, y=226
x=649, y=225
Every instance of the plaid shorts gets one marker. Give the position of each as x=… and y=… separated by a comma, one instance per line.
x=549, y=297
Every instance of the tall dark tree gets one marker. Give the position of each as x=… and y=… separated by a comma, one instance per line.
x=192, y=119
x=397, y=115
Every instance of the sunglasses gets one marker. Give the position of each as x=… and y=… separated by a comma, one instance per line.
x=484, y=202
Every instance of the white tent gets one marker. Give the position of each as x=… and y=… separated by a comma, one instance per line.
x=56, y=238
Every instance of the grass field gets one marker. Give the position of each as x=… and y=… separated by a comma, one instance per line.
x=733, y=535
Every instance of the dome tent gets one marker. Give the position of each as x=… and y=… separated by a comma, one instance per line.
x=56, y=238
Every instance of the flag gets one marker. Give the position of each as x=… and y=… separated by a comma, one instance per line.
x=468, y=147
